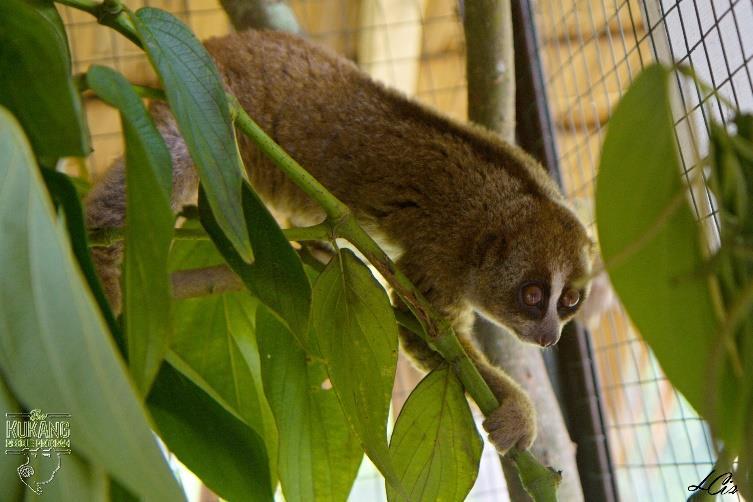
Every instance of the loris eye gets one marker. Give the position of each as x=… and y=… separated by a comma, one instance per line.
x=569, y=298
x=532, y=295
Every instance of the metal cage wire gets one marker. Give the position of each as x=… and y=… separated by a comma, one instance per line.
x=591, y=51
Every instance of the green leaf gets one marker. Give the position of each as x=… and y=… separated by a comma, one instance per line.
x=12, y=487
x=356, y=334
x=197, y=99
x=639, y=179
x=47, y=9
x=55, y=349
x=319, y=455
x=435, y=445
x=228, y=456
x=64, y=193
x=59, y=477
x=119, y=494
x=35, y=80
x=224, y=360
x=148, y=229
x=76, y=480
x=276, y=277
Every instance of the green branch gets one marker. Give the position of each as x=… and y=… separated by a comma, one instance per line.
x=109, y=13
x=436, y=330
x=335, y=210
x=106, y=237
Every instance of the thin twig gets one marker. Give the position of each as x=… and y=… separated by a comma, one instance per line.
x=106, y=237
x=109, y=13
x=205, y=281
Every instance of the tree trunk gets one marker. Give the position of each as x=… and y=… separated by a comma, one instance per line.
x=491, y=102
x=261, y=14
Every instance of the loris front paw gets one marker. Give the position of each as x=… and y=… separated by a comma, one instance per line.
x=513, y=424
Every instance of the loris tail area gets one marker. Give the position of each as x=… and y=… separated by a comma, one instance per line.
x=475, y=223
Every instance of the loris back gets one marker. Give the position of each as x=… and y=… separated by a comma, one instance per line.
x=421, y=179
x=382, y=154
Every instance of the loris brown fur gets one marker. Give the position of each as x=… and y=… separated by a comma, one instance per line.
x=476, y=223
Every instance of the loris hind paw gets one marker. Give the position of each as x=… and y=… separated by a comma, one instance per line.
x=513, y=424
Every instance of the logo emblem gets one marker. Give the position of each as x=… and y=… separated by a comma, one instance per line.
x=40, y=440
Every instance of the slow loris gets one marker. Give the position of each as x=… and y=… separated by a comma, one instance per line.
x=477, y=223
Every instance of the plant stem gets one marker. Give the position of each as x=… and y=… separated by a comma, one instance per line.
x=108, y=13
x=106, y=237
x=205, y=281
x=334, y=209
x=436, y=331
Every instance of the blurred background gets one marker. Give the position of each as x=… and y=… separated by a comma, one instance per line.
x=588, y=52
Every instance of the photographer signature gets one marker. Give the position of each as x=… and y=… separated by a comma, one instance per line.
x=719, y=485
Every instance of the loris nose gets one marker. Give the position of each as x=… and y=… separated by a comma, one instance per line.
x=547, y=339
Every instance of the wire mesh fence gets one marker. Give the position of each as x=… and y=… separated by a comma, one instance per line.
x=591, y=51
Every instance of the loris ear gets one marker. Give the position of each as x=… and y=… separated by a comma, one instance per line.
x=488, y=245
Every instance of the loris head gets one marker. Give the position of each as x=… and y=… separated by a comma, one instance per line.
x=530, y=275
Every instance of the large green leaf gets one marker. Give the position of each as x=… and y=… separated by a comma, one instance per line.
x=731, y=159
x=319, y=455
x=119, y=494
x=276, y=277
x=35, y=79
x=356, y=334
x=639, y=179
x=47, y=9
x=12, y=487
x=228, y=456
x=197, y=99
x=148, y=229
x=224, y=360
x=55, y=350
x=57, y=477
x=435, y=446
x=76, y=480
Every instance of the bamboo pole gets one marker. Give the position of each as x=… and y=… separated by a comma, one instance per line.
x=261, y=14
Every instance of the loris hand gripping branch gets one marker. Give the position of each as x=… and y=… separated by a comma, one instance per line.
x=478, y=224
